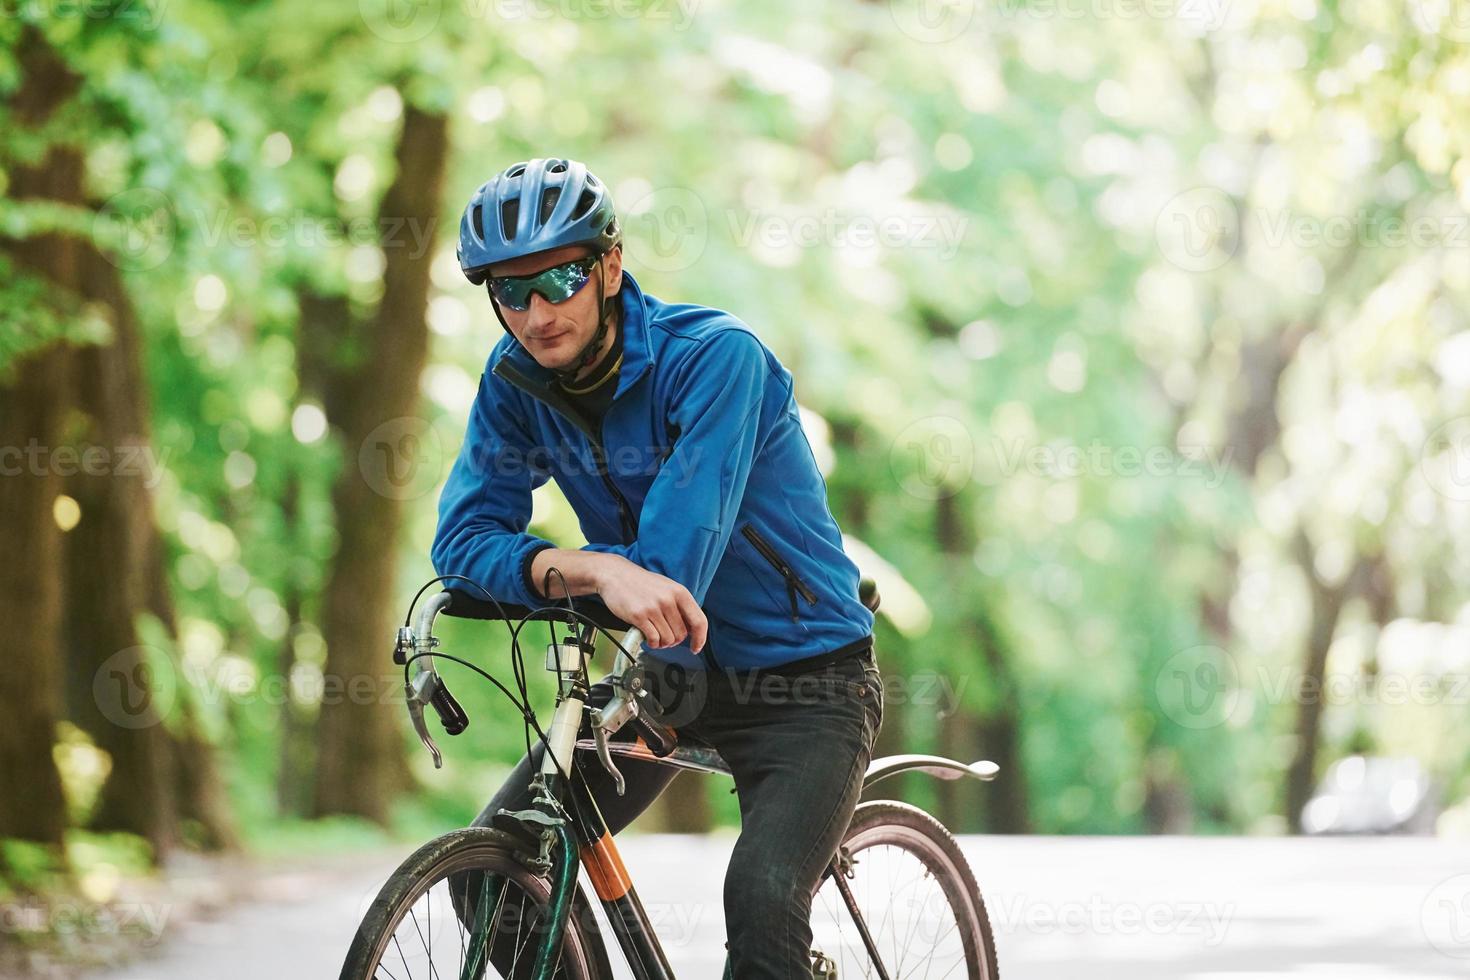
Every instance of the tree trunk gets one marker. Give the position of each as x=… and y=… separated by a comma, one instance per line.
x=163, y=767
x=293, y=761
x=361, y=765
x=1327, y=602
x=1009, y=803
x=683, y=808
x=32, y=804
x=962, y=803
x=997, y=735
x=118, y=696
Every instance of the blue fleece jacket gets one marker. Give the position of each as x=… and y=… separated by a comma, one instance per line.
x=701, y=472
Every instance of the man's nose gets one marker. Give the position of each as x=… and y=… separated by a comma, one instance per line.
x=541, y=311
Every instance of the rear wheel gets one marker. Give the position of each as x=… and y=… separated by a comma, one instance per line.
x=915, y=894
x=463, y=906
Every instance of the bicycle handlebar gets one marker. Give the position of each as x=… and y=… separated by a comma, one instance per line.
x=465, y=606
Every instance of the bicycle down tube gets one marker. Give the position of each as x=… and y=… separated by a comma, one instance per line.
x=596, y=850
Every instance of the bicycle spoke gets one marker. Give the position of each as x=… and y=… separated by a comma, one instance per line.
x=428, y=952
x=906, y=908
x=482, y=941
x=909, y=937
x=465, y=905
x=406, y=971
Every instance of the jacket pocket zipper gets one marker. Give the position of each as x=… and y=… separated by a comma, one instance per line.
x=794, y=585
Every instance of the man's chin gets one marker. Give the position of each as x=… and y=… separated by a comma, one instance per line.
x=552, y=360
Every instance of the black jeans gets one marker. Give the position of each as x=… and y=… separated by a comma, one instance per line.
x=797, y=743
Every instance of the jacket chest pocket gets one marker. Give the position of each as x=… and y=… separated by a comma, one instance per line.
x=795, y=587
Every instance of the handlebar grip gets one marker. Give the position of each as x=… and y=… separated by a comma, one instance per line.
x=660, y=738
x=466, y=606
x=451, y=715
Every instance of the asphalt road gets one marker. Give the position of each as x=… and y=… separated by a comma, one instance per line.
x=1062, y=908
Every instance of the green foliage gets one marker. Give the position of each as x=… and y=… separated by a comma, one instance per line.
x=1030, y=299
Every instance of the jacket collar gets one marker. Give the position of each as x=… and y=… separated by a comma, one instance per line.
x=637, y=346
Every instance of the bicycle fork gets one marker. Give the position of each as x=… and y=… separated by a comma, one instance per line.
x=544, y=828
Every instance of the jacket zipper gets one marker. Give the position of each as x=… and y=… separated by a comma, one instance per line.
x=794, y=585
x=550, y=397
x=545, y=393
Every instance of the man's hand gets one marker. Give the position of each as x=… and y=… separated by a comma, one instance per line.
x=663, y=609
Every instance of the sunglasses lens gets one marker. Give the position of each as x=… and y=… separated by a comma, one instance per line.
x=512, y=293
x=558, y=284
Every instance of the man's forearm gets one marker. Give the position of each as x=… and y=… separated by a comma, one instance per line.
x=663, y=609
x=584, y=571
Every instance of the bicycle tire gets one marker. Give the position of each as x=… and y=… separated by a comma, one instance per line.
x=473, y=849
x=899, y=825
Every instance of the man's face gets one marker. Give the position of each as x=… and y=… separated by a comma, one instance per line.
x=555, y=333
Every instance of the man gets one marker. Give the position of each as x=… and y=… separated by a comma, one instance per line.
x=674, y=434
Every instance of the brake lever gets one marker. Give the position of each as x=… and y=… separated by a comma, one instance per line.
x=605, y=757
x=416, y=697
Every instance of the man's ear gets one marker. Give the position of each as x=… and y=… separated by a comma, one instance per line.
x=614, y=271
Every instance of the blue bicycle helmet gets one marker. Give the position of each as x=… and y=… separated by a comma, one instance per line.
x=533, y=207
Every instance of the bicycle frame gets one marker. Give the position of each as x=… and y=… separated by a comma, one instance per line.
x=566, y=831
x=590, y=844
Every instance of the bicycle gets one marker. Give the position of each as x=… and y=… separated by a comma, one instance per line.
x=507, y=897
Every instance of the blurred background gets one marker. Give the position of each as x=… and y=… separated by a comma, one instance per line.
x=1129, y=334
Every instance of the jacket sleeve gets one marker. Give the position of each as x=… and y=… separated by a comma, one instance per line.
x=690, y=510
x=485, y=507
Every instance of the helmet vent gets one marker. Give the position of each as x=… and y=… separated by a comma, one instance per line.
x=584, y=205
x=508, y=213
x=548, y=201
x=516, y=171
x=560, y=167
x=477, y=220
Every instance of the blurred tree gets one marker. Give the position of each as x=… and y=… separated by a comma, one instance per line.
x=159, y=772
x=32, y=419
x=360, y=761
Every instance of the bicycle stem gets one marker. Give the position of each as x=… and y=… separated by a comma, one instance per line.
x=568, y=659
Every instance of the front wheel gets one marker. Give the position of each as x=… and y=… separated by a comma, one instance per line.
x=915, y=895
x=463, y=906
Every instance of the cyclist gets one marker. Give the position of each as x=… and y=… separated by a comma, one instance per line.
x=673, y=432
